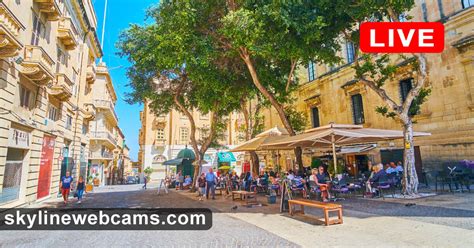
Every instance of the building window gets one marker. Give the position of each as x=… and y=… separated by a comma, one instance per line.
x=315, y=116
x=38, y=30
x=350, y=52
x=53, y=112
x=160, y=134
x=405, y=86
x=184, y=135
x=25, y=97
x=467, y=3
x=357, y=109
x=68, y=122
x=61, y=59
x=311, y=71
x=85, y=128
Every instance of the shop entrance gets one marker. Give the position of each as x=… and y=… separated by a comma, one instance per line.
x=10, y=191
x=46, y=164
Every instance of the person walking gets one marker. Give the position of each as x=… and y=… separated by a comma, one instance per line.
x=202, y=185
x=145, y=179
x=65, y=186
x=80, y=189
x=210, y=184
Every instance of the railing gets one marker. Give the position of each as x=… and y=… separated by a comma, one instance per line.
x=36, y=54
x=106, y=104
x=104, y=135
x=100, y=154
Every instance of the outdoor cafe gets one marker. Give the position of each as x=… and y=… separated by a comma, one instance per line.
x=321, y=185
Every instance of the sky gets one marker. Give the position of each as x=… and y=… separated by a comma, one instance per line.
x=120, y=14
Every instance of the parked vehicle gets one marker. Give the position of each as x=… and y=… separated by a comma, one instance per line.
x=131, y=180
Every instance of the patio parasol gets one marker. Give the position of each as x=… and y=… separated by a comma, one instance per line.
x=333, y=135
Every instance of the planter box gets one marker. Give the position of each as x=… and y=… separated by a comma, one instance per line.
x=89, y=187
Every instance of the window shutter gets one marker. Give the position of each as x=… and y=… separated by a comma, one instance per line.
x=357, y=109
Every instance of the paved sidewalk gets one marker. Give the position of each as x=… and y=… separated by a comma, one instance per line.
x=433, y=221
x=227, y=231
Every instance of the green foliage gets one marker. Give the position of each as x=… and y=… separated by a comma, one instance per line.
x=418, y=101
x=315, y=163
x=148, y=171
x=297, y=119
x=179, y=55
x=383, y=110
x=340, y=167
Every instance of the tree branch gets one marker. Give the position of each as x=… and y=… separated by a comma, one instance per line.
x=290, y=75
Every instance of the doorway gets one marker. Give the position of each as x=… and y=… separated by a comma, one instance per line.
x=46, y=164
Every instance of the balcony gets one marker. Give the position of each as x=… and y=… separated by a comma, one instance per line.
x=101, y=155
x=109, y=108
x=37, y=65
x=104, y=136
x=89, y=111
x=61, y=90
x=67, y=33
x=91, y=73
x=10, y=28
x=49, y=8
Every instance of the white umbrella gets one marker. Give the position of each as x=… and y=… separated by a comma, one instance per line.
x=333, y=135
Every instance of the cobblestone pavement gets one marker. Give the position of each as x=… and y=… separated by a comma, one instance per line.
x=227, y=231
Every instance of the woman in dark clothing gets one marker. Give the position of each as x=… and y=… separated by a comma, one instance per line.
x=80, y=189
x=320, y=180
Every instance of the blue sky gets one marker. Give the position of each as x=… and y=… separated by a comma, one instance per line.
x=120, y=14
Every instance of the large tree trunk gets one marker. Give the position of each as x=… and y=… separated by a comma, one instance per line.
x=299, y=158
x=255, y=162
x=410, y=178
x=278, y=107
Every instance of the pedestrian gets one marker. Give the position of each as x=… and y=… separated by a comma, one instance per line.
x=210, y=184
x=202, y=185
x=180, y=180
x=80, y=189
x=145, y=179
x=65, y=185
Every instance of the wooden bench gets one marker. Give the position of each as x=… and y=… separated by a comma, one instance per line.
x=244, y=195
x=326, y=207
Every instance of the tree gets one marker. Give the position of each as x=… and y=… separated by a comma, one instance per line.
x=375, y=70
x=283, y=35
x=253, y=124
x=176, y=65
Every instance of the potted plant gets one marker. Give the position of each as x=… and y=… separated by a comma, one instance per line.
x=89, y=186
x=148, y=172
x=96, y=180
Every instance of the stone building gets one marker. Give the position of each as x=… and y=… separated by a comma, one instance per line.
x=161, y=138
x=48, y=50
x=330, y=94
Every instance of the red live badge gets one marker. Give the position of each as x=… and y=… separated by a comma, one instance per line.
x=402, y=37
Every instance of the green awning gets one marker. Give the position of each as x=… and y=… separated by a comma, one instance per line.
x=226, y=157
x=176, y=161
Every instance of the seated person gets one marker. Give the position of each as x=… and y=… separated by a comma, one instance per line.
x=187, y=182
x=399, y=168
x=290, y=175
x=319, y=177
x=378, y=177
x=392, y=168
